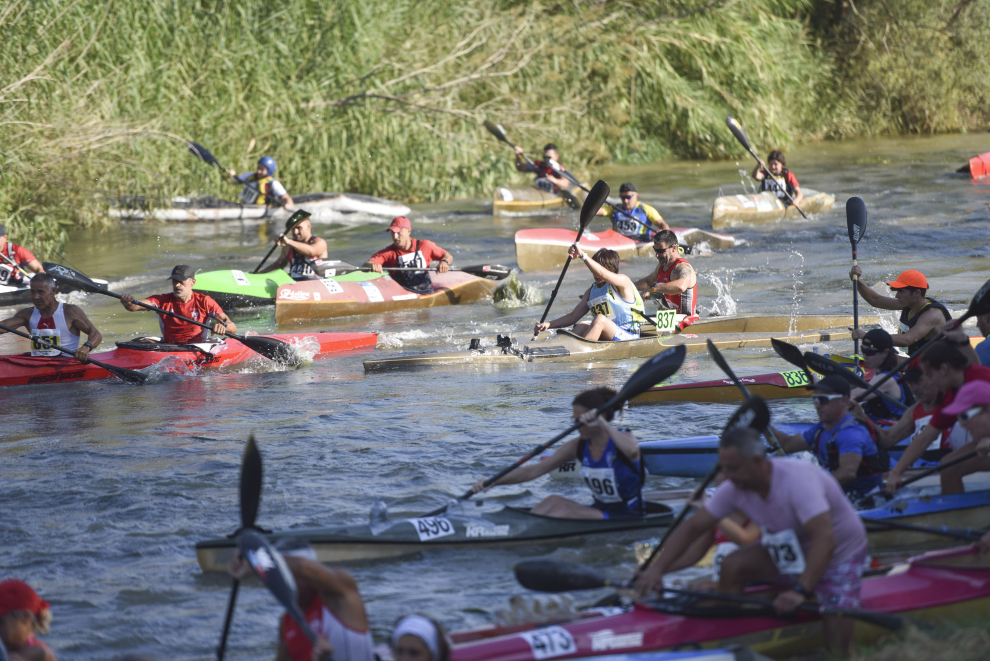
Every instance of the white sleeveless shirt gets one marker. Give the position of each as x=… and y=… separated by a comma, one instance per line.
x=53, y=330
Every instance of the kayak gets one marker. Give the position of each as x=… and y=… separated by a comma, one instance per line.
x=978, y=166
x=312, y=300
x=523, y=200
x=760, y=208
x=969, y=510
x=322, y=206
x=25, y=369
x=935, y=587
x=546, y=247
x=565, y=346
x=242, y=289
x=15, y=295
x=507, y=526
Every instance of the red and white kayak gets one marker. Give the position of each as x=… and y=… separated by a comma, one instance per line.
x=978, y=166
x=938, y=586
x=546, y=247
x=25, y=369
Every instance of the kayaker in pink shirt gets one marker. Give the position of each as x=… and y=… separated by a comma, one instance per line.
x=813, y=540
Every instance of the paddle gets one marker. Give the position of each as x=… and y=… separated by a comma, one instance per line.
x=724, y=366
x=591, y=205
x=737, y=130
x=659, y=367
x=856, y=224
x=753, y=413
x=120, y=372
x=489, y=271
x=823, y=365
x=16, y=266
x=935, y=469
x=269, y=566
x=268, y=347
x=295, y=219
x=978, y=306
x=791, y=354
x=204, y=154
x=967, y=534
x=250, y=489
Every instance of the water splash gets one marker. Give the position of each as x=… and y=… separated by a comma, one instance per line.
x=797, y=288
x=378, y=517
x=515, y=294
x=747, y=180
x=398, y=340
x=723, y=304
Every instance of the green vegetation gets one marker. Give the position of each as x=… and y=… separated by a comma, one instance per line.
x=99, y=96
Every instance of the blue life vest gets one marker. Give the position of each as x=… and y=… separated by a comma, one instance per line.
x=615, y=481
x=626, y=226
x=604, y=299
x=878, y=409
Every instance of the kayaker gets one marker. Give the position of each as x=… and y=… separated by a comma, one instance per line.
x=613, y=299
x=879, y=355
x=843, y=445
x=783, y=179
x=816, y=541
x=407, y=252
x=983, y=348
x=301, y=253
x=635, y=219
x=14, y=261
x=610, y=465
x=23, y=615
x=546, y=179
x=183, y=300
x=418, y=638
x=971, y=407
x=947, y=365
x=329, y=599
x=56, y=323
x=261, y=186
x=673, y=283
x=921, y=317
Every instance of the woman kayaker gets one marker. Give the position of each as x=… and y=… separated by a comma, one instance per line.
x=613, y=299
x=880, y=356
x=783, y=179
x=22, y=615
x=419, y=638
x=610, y=465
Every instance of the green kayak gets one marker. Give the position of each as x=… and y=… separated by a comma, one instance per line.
x=241, y=289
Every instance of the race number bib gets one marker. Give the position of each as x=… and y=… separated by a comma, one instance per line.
x=49, y=335
x=550, y=642
x=249, y=195
x=432, y=527
x=5, y=272
x=785, y=551
x=600, y=305
x=795, y=378
x=602, y=483
x=722, y=550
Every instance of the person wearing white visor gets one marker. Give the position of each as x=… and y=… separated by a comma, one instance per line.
x=418, y=638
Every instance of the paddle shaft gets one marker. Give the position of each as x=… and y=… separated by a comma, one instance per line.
x=113, y=369
x=681, y=516
x=556, y=288
x=15, y=265
x=858, y=380
x=766, y=172
x=855, y=311
x=967, y=534
x=935, y=469
x=147, y=306
x=275, y=245
x=222, y=647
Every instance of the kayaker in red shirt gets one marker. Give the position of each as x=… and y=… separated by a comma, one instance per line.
x=300, y=252
x=183, y=300
x=56, y=323
x=407, y=252
x=22, y=615
x=783, y=179
x=673, y=283
x=14, y=260
x=546, y=179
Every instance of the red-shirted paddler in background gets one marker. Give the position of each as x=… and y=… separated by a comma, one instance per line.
x=15, y=260
x=408, y=252
x=183, y=300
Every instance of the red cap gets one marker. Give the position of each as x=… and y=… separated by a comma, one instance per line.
x=910, y=279
x=19, y=596
x=974, y=393
x=400, y=222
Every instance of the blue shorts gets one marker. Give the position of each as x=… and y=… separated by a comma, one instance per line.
x=622, y=335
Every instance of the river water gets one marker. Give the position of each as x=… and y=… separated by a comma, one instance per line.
x=106, y=487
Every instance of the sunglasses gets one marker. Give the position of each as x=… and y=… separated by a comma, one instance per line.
x=627, y=197
x=969, y=414
x=661, y=251
x=822, y=400
x=869, y=351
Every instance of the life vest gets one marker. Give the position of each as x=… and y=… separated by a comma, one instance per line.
x=257, y=194
x=613, y=479
x=415, y=281
x=302, y=267
x=878, y=409
x=348, y=644
x=684, y=303
x=52, y=330
x=777, y=185
x=908, y=322
x=605, y=300
x=876, y=464
x=626, y=226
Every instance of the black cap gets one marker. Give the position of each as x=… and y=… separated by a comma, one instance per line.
x=832, y=384
x=627, y=188
x=878, y=339
x=3, y=230
x=182, y=272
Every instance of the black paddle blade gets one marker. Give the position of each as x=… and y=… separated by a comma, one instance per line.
x=73, y=277
x=296, y=218
x=596, y=198
x=270, y=348
x=980, y=303
x=823, y=365
x=552, y=576
x=791, y=354
x=250, y=484
x=855, y=219
x=753, y=413
x=489, y=271
x=720, y=361
x=202, y=153
x=662, y=366
x=124, y=374
x=496, y=130
x=737, y=130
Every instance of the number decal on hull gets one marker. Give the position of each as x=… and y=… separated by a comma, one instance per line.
x=549, y=642
x=432, y=527
x=795, y=378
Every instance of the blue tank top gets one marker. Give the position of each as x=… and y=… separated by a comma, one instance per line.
x=614, y=480
x=623, y=224
x=604, y=299
x=877, y=409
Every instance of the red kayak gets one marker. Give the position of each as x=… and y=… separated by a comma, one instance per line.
x=25, y=369
x=942, y=585
x=978, y=166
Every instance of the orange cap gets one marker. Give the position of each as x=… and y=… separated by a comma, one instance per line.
x=910, y=279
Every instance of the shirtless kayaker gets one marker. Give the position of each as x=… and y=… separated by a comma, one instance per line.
x=673, y=283
x=613, y=299
x=635, y=219
x=818, y=539
x=183, y=300
x=546, y=179
x=55, y=323
x=407, y=252
x=15, y=260
x=301, y=253
x=330, y=601
x=921, y=317
x=261, y=187
x=610, y=465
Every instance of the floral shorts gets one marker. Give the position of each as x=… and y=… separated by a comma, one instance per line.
x=839, y=586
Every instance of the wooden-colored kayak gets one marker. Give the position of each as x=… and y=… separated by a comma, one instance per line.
x=312, y=300
x=546, y=247
x=508, y=526
x=760, y=208
x=524, y=200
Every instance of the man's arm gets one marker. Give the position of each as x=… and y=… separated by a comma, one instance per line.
x=681, y=279
x=376, y=261
x=693, y=527
x=848, y=467
x=78, y=321
x=892, y=435
x=930, y=320
x=444, y=260
x=314, y=249
x=872, y=297
x=791, y=443
x=130, y=303
x=21, y=319
x=918, y=445
x=819, y=556
x=280, y=263
x=654, y=217
x=336, y=587
x=227, y=326
x=644, y=284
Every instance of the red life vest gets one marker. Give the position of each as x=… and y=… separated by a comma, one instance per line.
x=684, y=303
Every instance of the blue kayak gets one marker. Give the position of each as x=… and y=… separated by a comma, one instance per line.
x=962, y=514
